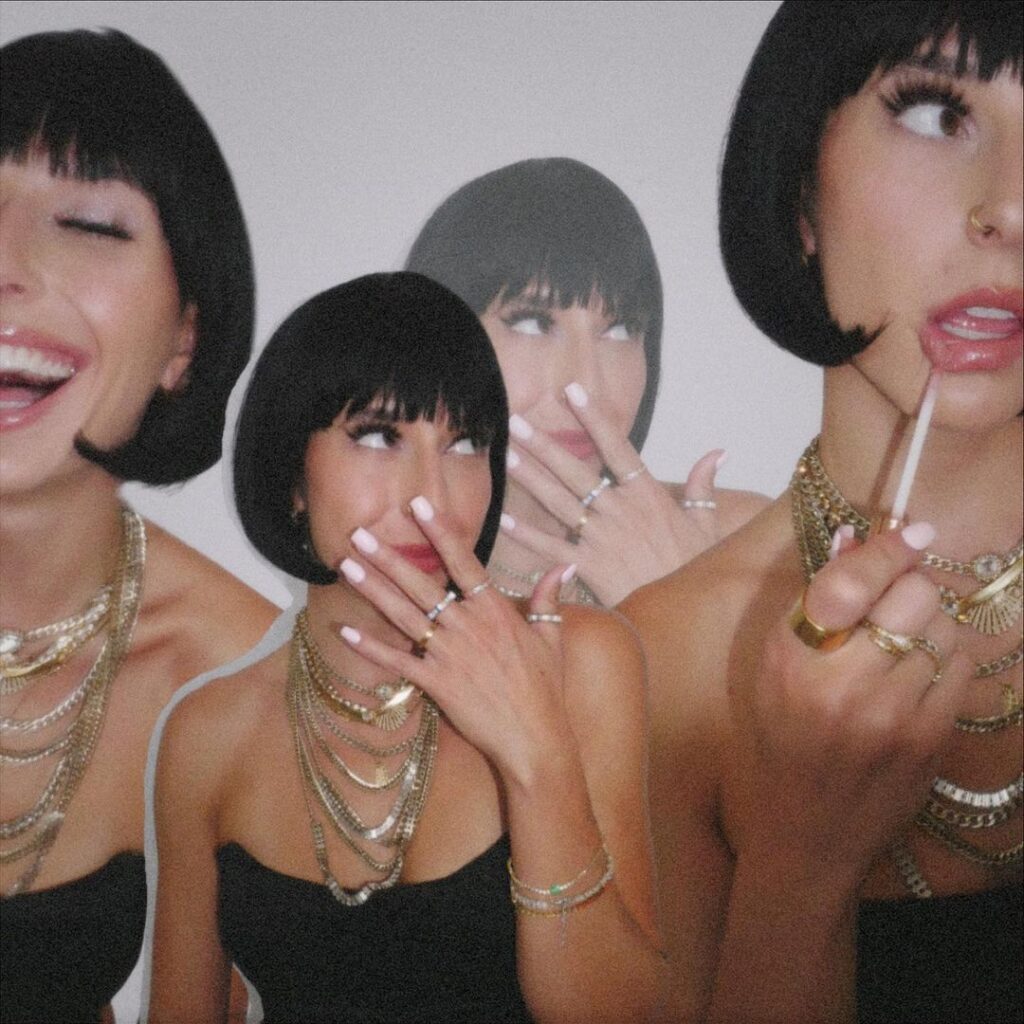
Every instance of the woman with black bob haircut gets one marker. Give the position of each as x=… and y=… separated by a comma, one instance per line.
x=125, y=318
x=555, y=260
x=841, y=704
x=422, y=743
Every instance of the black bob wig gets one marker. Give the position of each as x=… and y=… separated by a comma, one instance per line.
x=557, y=223
x=398, y=341
x=101, y=106
x=813, y=55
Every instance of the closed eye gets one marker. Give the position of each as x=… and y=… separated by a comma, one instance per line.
x=107, y=229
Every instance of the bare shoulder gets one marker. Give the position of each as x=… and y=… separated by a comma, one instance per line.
x=203, y=615
x=603, y=656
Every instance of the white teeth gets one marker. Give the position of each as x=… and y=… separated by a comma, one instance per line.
x=19, y=359
x=990, y=313
x=963, y=332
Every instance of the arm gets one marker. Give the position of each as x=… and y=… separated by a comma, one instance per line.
x=190, y=972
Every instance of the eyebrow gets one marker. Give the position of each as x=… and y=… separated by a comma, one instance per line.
x=939, y=63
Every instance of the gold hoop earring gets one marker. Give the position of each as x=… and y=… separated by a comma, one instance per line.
x=983, y=229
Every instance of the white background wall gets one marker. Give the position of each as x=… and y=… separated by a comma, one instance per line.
x=345, y=124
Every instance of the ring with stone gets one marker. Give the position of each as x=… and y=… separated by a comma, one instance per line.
x=633, y=474
x=708, y=503
x=544, y=617
x=591, y=496
x=435, y=612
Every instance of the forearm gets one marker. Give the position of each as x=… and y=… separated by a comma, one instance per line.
x=597, y=961
x=788, y=952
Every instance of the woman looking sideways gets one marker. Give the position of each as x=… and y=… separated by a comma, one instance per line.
x=837, y=822
x=337, y=819
x=554, y=259
x=125, y=318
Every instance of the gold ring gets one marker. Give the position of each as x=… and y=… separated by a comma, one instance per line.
x=978, y=224
x=419, y=647
x=810, y=633
x=898, y=645
x=574, y=535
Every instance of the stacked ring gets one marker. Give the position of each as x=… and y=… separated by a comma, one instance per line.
x=810, y=633
x=435, y=612
x=591, y=496
x=544, y=617
x=898, y=645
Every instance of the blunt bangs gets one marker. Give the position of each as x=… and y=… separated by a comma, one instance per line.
x=814, y=55
x=99, y=106
x=399, y=345
x=553, y=226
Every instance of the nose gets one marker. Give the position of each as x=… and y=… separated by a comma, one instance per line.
x=425, y=477
x=998, y=220
x=581, y=360
x=18, y=270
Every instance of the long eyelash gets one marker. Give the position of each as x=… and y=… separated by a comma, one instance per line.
x=95, y=227
x=538, y=313
x=359, y=430
x=907, y=94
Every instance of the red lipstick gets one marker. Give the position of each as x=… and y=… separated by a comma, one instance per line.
x=423, y=556
x=977, y=331
x=575, y=442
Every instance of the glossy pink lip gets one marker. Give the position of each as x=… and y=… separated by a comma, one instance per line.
x=991, y=342
x=575, y=442
x=19, y=416
x=423, y=556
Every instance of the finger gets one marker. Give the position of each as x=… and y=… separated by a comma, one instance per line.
x=552, y=549
x=941, y=702
x=464, y=568
x=392, y=604
x=544, y=602
x=574, y=473
x=700, y=484
x=615, y=450
x=550, y=492
x=422, y=589
x=846, y=589
x=402, y=663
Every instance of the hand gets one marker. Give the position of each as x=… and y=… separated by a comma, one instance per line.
x=633, y=531
x=496, y=677
x=843, y=745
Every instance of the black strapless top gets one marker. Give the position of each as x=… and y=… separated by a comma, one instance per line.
x=65, y=951
x=437, y=952
x=948, y=960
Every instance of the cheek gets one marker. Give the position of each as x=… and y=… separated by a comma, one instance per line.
x=525, y=373
x=628, y=369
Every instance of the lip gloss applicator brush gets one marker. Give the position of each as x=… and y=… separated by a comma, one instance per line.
x=924, y=418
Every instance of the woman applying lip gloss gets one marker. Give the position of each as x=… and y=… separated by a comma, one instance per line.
x=429, y=806
x=125, y=319
x=836, y=781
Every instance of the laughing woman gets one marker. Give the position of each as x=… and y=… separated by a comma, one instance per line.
x=428, y=806
x=836, y=792
x=125, y=318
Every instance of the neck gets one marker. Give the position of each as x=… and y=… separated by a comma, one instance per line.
x=328, y=608
x=58, y=546
x=967, y=484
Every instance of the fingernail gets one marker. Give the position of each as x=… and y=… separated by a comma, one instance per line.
x=507, y=521
x=518, y=427
x=353, y=571
x=918, y=535
x=353, y=636
x=721, y=460
x=365, y=541
x=421, y=508
x=837, y=543
x=511, y=459
x=575, y=393
x=569, y=573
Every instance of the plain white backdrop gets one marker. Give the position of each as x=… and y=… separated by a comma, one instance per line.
x=345, y=124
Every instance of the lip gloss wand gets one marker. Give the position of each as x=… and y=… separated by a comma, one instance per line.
x=924, y=418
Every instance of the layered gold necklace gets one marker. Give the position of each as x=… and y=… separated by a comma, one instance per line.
x=819, y=509
x=315, y=704
x=114, y=609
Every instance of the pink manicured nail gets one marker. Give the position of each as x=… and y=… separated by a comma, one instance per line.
x=421, y=508
x=518, y=427
x=511, y=459
x=507, y=522
x=365, y=541
x=576, y=394
x=353, y=636
x=569, y=573
x=353, y=571
x=721, y=460
x=918, y=535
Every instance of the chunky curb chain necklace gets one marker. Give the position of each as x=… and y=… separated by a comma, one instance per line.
x=37, y=827
x=819, y=509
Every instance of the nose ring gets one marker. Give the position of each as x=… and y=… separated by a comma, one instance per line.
x=983, y=229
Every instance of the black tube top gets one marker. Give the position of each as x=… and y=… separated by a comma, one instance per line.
x=65, y=951
x=437, y=952
x=943, y=960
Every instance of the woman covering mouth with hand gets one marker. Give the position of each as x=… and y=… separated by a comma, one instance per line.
x=125, y=319
x=429, y=805
x=836, y=781
x=555, y=261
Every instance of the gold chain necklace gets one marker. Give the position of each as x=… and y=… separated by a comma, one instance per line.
x=34, y=831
